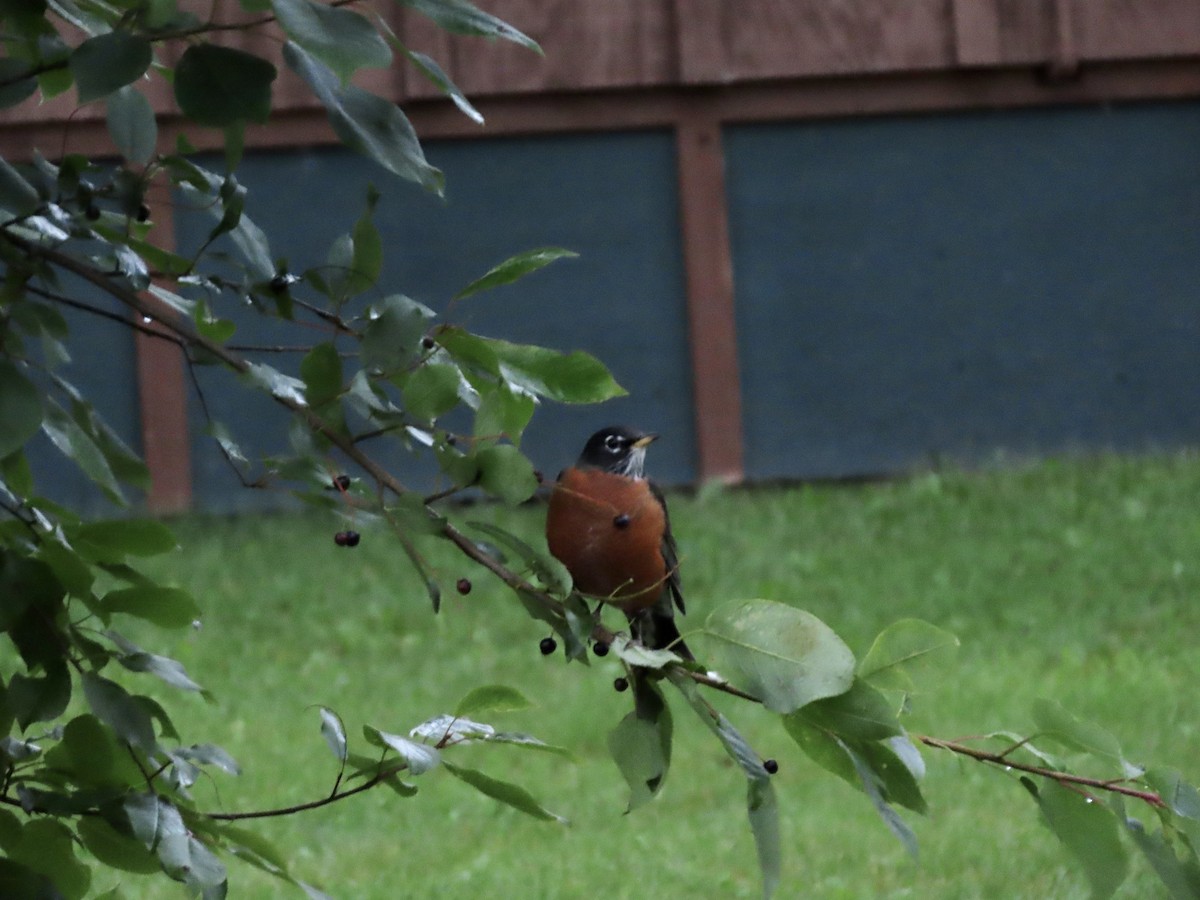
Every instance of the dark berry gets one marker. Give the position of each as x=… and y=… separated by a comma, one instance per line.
x=771, y=766
x=347, y=538
x=427, y=343
x=621, y=521
x=341, y=483
x=92, y=213
x=463, y=585
x=548, y=646
x=621, y=685
x=279, y=283
x=539, y=476
x=143, y=213
x=600, y=648
x=451, y=440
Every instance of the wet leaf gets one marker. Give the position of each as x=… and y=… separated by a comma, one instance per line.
x=492, y=698
x=514, y=268
x=511, y=794
x=904, y=649
x=784, y=656
x=219, y=86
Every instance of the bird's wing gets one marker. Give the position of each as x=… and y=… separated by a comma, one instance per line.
x=670, y=553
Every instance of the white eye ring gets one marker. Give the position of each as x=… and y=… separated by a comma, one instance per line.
x=613, y=442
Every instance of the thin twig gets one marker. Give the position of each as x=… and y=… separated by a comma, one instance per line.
x=1066, y=779
x=378, y=778
x=135, y=324
x=386, y=481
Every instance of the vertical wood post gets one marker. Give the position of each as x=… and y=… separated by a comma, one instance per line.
x=708, y=263
x=162, y=403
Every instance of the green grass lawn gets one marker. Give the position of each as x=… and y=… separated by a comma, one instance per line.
x=1076, y=580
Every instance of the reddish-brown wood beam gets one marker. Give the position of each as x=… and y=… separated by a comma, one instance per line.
x=777, y=100
x=162, y=402
x=708, y=263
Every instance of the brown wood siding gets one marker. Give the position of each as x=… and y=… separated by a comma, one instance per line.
x=615, y=44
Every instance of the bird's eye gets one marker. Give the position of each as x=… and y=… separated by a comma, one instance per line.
x=613, y=442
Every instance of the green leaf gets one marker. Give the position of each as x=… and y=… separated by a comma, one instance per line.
x=219, y=86
x=894, y=764
x=461, y=468
x=512, y=794
x=460, y=17
x=321, y=370
x=640, y=745
x=903, y=649
x=514, y=268
x=68, y=566
x=575, y=377
x=638, y=655
x=469, y=350
x=114, y=848
x=114, y=539
x=1177, y=876
x=874, y=784
x=503, y=412
x=1089, y=831
x=47, y=846
x=1182, y=798
x=368, y=247
x=285, y=387
x=1076, y=734
x=552, y=573
x=20, y=408
x=132, y=124
x=334, y=732
x=784, y=656
x=393, y=334
x=366, y=123
x=762, y=807
x=39, y=699
x=418, y=757
x=505, y=473
x=184, y=857
x=253, y=848
x=491, y=698
x=862, y=713
x=763, y=811
x=78, y=446
x=211, y=755
x=15, y=88
x=431, y=70
x=342, y=39
x=431, y=391
x=168, y=670
x=106, y=62
x=17, y=195
x=113, y=706
x=91, y=751
x=164, y=606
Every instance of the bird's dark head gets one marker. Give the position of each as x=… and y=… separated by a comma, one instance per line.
x=617, y=449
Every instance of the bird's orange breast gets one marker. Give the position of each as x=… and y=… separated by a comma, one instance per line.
x=608, y=530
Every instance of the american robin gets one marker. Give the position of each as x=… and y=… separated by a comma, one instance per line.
x=608, y=524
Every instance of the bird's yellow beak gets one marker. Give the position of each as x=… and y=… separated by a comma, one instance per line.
x=644, y=441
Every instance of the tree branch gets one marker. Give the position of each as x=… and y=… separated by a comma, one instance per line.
x=379, y=777
x=1064, y=778
x=345, y=443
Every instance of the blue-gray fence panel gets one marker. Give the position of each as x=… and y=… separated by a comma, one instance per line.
x=612, y=198
x=957, y=286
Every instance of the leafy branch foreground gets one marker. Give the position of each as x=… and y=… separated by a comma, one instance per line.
x=116, y=778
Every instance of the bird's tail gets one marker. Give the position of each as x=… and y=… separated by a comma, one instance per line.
x=655, y=628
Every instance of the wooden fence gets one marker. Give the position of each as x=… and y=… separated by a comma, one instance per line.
x=698, y=70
